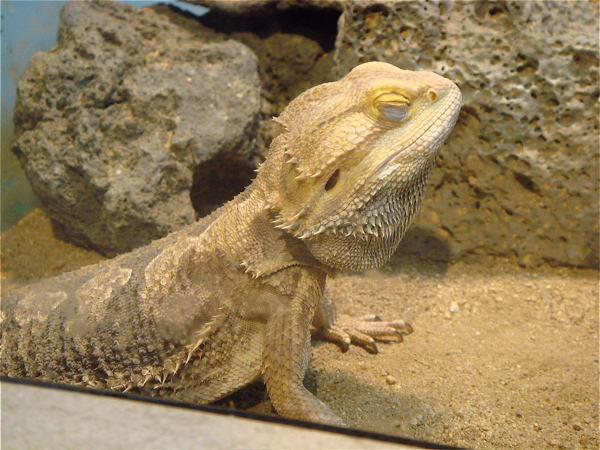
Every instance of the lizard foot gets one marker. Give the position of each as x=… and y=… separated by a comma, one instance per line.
x=363, y=331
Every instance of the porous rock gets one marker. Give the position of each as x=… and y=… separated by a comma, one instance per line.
x=518, y=177
x=116, y=123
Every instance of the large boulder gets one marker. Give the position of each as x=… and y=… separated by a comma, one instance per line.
x=518, y=177
x=119, y=121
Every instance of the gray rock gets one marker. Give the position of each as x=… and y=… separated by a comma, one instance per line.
x=117, y=123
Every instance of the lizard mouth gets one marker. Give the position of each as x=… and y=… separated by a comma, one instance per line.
x=436, y=135
x=385, y=168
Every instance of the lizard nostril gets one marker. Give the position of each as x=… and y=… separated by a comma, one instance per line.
x=333, y=179
x=432, y=95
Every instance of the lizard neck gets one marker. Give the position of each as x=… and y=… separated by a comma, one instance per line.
x=245, y=233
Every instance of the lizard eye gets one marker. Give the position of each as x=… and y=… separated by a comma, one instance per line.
x=394, y=112
x=392, y=106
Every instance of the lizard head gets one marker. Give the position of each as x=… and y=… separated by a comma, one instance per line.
x=347, y=174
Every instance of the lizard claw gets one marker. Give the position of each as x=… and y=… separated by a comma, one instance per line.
x=363, y=331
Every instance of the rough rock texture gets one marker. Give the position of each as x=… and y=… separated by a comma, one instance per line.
x=117, y=123
x=519, y=176
x=294, y=47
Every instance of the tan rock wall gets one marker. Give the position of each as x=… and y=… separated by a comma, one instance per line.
x=519, y=175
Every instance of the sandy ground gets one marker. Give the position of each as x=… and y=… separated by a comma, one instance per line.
x=501, y=357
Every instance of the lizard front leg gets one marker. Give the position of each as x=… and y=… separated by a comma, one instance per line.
x=345, y=330
x=286, y=357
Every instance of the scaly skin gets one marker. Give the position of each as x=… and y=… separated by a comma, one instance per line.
x=206, y=310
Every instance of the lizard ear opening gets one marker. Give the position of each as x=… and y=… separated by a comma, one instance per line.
x=333, y=180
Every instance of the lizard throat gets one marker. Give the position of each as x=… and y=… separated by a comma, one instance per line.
x=368, y=237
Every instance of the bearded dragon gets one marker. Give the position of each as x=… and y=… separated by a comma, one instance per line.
x=208, y=309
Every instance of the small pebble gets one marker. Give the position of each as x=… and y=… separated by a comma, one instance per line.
x=390, y=380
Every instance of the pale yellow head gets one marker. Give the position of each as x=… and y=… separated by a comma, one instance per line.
x=347, y=174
